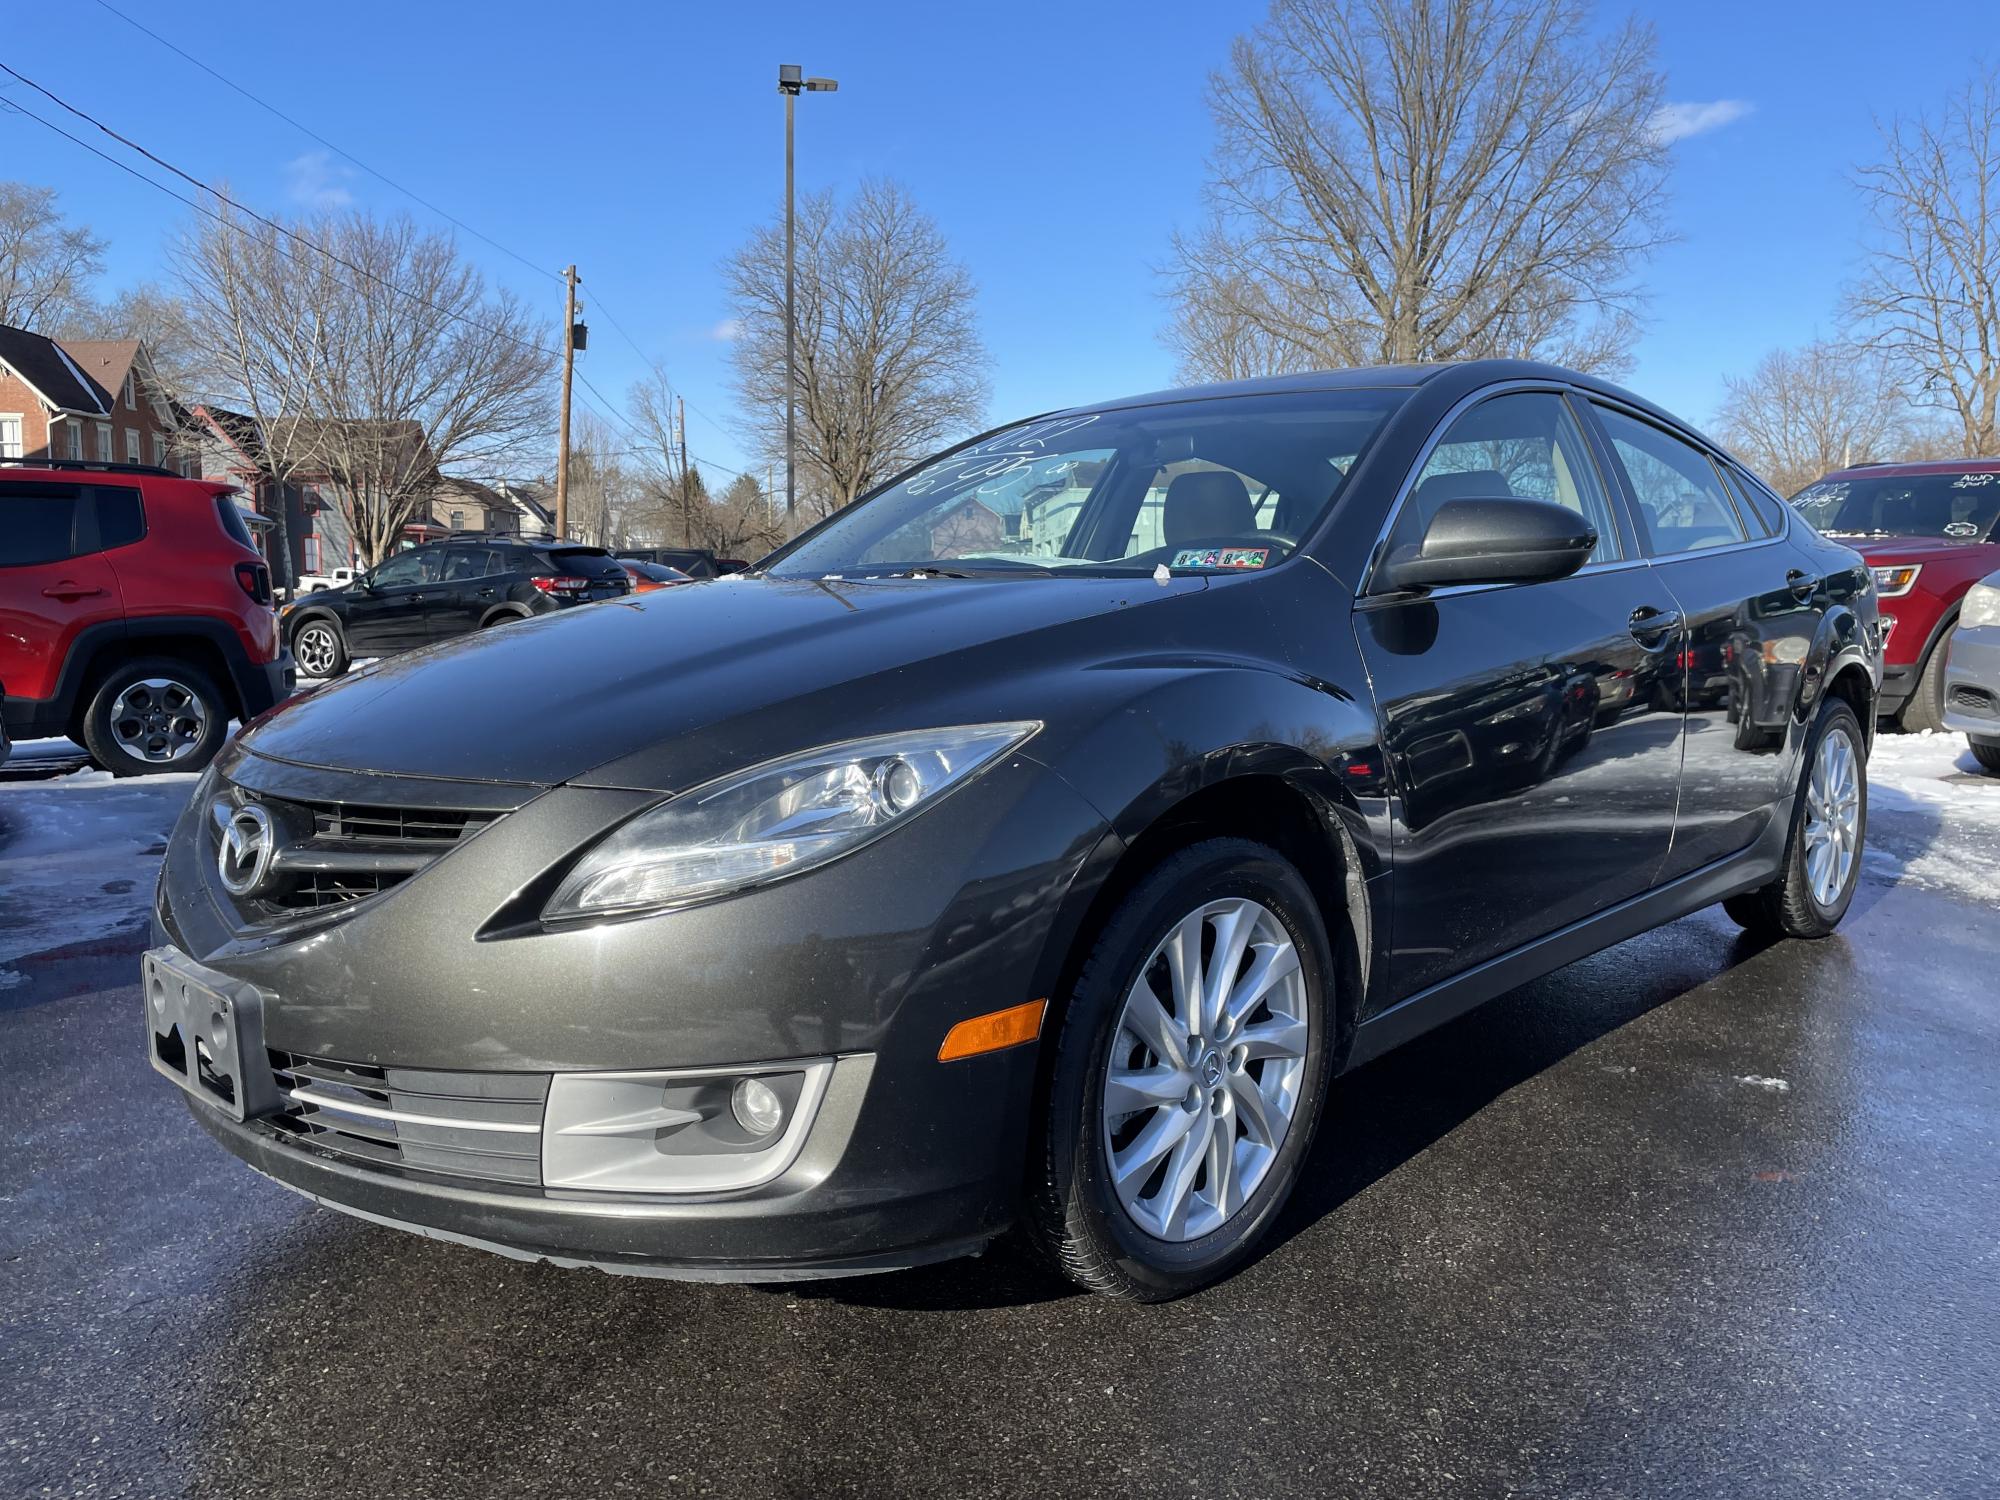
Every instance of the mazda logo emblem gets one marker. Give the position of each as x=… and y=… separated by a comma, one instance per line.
x=247, y=845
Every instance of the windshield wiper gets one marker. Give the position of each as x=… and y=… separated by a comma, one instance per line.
x=977, y=570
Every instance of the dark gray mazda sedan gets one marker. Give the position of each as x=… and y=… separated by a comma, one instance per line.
x=1029, y=845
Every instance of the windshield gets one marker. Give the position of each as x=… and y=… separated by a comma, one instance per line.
x=1226, y=483
x=1959, y=506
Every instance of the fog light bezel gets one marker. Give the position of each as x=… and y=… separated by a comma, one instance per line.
x=600, y=1135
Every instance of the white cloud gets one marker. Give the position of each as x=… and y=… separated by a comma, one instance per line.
x=318, y=181
x=727, y=331
x=1676, y=122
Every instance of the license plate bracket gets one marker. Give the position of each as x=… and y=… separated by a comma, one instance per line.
x=205, y=1031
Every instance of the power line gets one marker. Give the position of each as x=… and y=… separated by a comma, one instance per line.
x=603, y=404
x=223, y=197
x=307, y=130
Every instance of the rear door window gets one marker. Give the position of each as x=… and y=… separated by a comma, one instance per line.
x=461, y=563
x=37, y=523
x=1680, y=497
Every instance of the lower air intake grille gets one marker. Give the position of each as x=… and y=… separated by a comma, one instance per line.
x=480, y=1125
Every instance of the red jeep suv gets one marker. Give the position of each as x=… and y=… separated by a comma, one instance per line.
x=135, y=613
x=1927, y=531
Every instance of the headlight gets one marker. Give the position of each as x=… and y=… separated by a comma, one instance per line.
x=775, y=820
x=1892, y=582
x=1981, y=607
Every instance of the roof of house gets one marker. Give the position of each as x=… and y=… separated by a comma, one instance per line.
x=529, y=498
x=106, y=361
x=235, y=428
x=316, y=444
x=56, y=376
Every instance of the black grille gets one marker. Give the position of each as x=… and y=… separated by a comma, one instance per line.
x=332, y=854
x=345, y=821
x=454, y=1124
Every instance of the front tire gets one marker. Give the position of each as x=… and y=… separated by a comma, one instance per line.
x=1822, y=863
x=1925, y=710
x=1189, y=1073
x=320, y=649
x=155, y=715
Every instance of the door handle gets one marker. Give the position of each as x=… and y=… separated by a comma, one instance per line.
x=1648, y=622
x=486, y=593
x=1802, y=584
x=69, y=592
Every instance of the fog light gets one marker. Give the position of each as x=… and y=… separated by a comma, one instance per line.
x=757, y=1109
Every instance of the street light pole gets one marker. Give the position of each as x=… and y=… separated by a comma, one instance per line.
x=791, y=83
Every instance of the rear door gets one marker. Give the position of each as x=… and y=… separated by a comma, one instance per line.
x=1535, y=773
x=388, y=615
x=1751, y=602
x=54, y=581
x=464, y=592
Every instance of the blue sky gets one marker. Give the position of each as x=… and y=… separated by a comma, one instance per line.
x=1058, y=145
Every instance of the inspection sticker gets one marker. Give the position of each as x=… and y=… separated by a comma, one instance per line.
x=1222, y=557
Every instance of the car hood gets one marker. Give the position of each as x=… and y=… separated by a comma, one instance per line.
x=1889, y=551
x=608, y=693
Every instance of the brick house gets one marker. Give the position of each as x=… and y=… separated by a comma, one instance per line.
x=96, y=399
x=500, y=509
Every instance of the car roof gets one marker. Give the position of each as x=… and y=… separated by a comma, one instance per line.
x=1924, y=466
x=1467, y=374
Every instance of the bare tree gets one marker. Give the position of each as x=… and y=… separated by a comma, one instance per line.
x=1929, y=299
x=46, y=265
x=368, y=364
x=1802, y=412
x=154, y=315
x=1400, y=180
x=890, y=363
x=676, y=506
x=600, y=483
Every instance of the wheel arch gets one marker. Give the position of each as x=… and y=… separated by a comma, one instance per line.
x=501, y=612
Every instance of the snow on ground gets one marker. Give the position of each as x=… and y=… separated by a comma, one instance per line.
x=1933, y=817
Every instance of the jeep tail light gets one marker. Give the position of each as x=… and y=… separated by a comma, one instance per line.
x=255, y=580
x=562, y=584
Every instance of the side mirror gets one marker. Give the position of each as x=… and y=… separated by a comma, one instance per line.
x=1491, y=541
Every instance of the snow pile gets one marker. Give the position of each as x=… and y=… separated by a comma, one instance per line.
x=1933, y=817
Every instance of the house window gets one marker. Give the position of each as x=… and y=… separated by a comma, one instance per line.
x=73, y=438
x=159, y=451
x=10, y=434
x=130, y=403
x=104, y=454
x=312, y=554
x=458, y=520
x=131, y=445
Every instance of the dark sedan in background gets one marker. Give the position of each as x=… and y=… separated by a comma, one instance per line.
x=1030, y=844
x=441, y=590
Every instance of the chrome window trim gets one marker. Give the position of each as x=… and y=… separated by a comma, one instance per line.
x=1403, y=491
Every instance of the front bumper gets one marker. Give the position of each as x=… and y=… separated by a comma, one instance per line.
x=1972, y=682
x=868, y=961
x=818, y=1219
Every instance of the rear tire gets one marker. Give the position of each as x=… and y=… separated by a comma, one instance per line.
x=1231, y=1185
x=1809, y=897
x=1987, y=753
x=320, y=648
x=155, y=715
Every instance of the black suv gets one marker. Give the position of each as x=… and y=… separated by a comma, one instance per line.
x=442, y=590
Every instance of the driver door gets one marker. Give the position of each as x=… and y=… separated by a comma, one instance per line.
x=1535, y=776
x=389, y=616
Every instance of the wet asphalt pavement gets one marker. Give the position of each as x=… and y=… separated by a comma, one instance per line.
x=1692, y=1217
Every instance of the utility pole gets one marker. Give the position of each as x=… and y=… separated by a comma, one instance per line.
x=791, y=83
x=569, y=370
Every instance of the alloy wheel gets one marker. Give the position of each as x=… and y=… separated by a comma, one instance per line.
x=1833, y=815
x=317, y=650
x=158, y=720
x=1205, y=1070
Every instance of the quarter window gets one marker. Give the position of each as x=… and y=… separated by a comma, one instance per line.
x=1525, y=446
x=1756, y=501
x=1679, y=494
